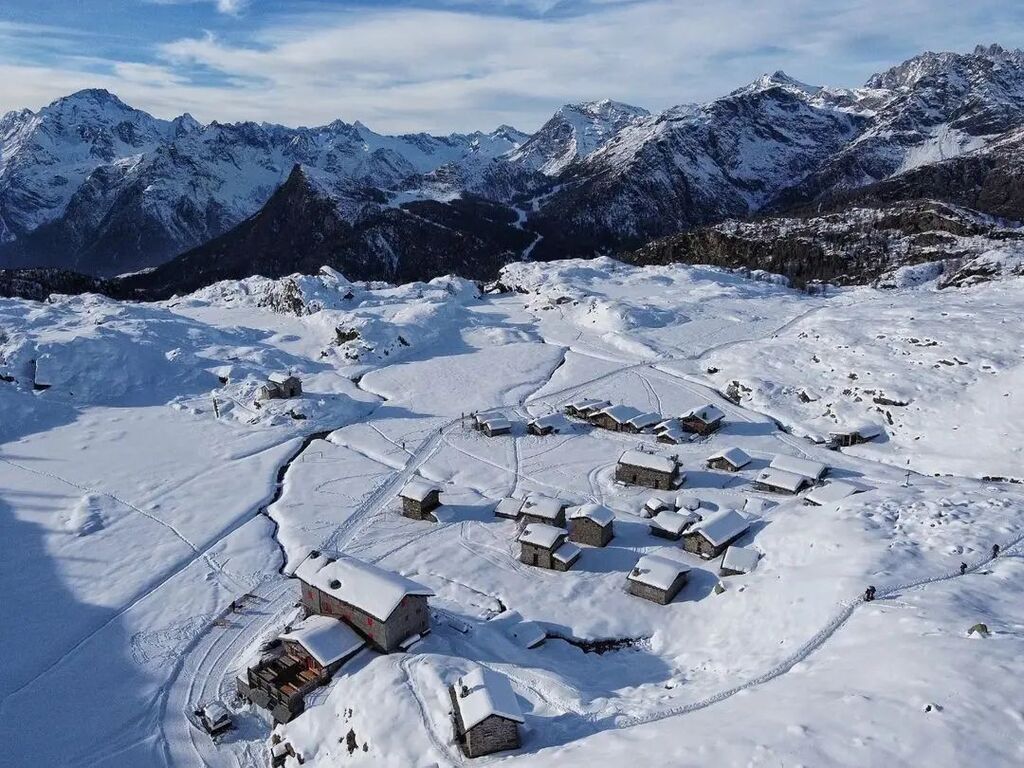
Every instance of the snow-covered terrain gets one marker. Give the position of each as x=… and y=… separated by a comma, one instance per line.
x=151, y=513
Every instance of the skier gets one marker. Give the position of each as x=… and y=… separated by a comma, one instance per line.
x=995, y=550
x=869, y=594
x=963, y=568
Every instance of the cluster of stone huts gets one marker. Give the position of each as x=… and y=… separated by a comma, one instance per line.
x=624, y=418
x=349, y=605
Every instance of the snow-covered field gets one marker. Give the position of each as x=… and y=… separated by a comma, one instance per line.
x=142, y=492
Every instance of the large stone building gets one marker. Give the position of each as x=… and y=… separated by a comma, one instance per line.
x=591, y=524
x=280, y=386
x=657, y=578
x=387, y=609
x=714, y=533
x=545, y=546
x=486, y=713
x=649, y=470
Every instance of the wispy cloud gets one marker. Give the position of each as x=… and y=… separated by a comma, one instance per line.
x=450, y=67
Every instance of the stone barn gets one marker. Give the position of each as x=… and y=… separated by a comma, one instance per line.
x=779, y=481
x=670, y=433
x=657, y=578
x=387, y=609
x=729, y=459
x=831, y=492
x=614, y=417
x=844, y=438
x=486, y=713
x=812, y=470
x=714, y=533
x=420, y=499
x=493, y=424
x=545, y=425
x=544, y=509
x=585, y=407
x=545, y=546
x=739, y=560
x=509, y=508
x=703, y=420
x=648, y=470
x=671, y=525
x=322, y=644
x=641, y=423
x=591, y=524
x=280, y=386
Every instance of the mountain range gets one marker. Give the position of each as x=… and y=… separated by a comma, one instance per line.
x=90, y=185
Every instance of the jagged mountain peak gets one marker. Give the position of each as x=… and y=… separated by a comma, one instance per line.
x=930, y=64
x=778, y=79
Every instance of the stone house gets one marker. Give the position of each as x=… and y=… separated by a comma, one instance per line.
x=648, y=470
x=492, y=424
x=545, y=425
x=729, y=459
x=585, y=407
x=831, y=492
x=657, y=578
x=615, y=417
x=671, y=525
x=671, y=433
x=780, y=481
x=714, y=533
x=844, y=438
x=544, y=509
x=419, y=500
x=704, y=420
x=387, y=609
x=280, y=386
x=739, y=560
x=545, y=546
x=591, y=524
x=509, y=508
x=644, y=421
x=322, y=644
x=812, y=470
x=486, y=713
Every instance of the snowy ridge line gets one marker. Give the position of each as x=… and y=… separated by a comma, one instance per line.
x=817, y=641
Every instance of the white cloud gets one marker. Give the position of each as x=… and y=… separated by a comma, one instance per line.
x=417, y=69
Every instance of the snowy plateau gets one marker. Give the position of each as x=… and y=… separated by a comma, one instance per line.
x=153, y=512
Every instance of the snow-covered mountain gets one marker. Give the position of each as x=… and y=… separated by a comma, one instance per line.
x=91, y=185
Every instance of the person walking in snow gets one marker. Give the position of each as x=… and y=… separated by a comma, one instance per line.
x=995, y=550
x=869, y=594
x=963, y=568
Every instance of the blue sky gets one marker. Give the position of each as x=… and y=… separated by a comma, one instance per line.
x=444, y=65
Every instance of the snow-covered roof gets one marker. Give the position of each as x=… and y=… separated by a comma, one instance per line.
x=779, y=478
x=673, y=522
x=566, y=553
x=806, y=467
x=279, y=377
x=741, y=559
x=508, y=507
x=496, y=422
x=599, y=513
x=543, y=506
x=833, y=491
x=621, y=413
x=541, y=535
x=487, y=693
x=657, y=571
x=687, y=501
x=655, y=504
x=417, y=490
x=645, y=420
x=326, y=639
x=707, y=413
x=215, y=711
x=367, y=587
x=756, y=506
x=648, y=461
x=735, y=456
x=721, y=526
x=666, y=425
x=675, y=433
x=587, y=402
x=551, y=420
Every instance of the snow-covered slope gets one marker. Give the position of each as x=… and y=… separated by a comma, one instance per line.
x=151, y=511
